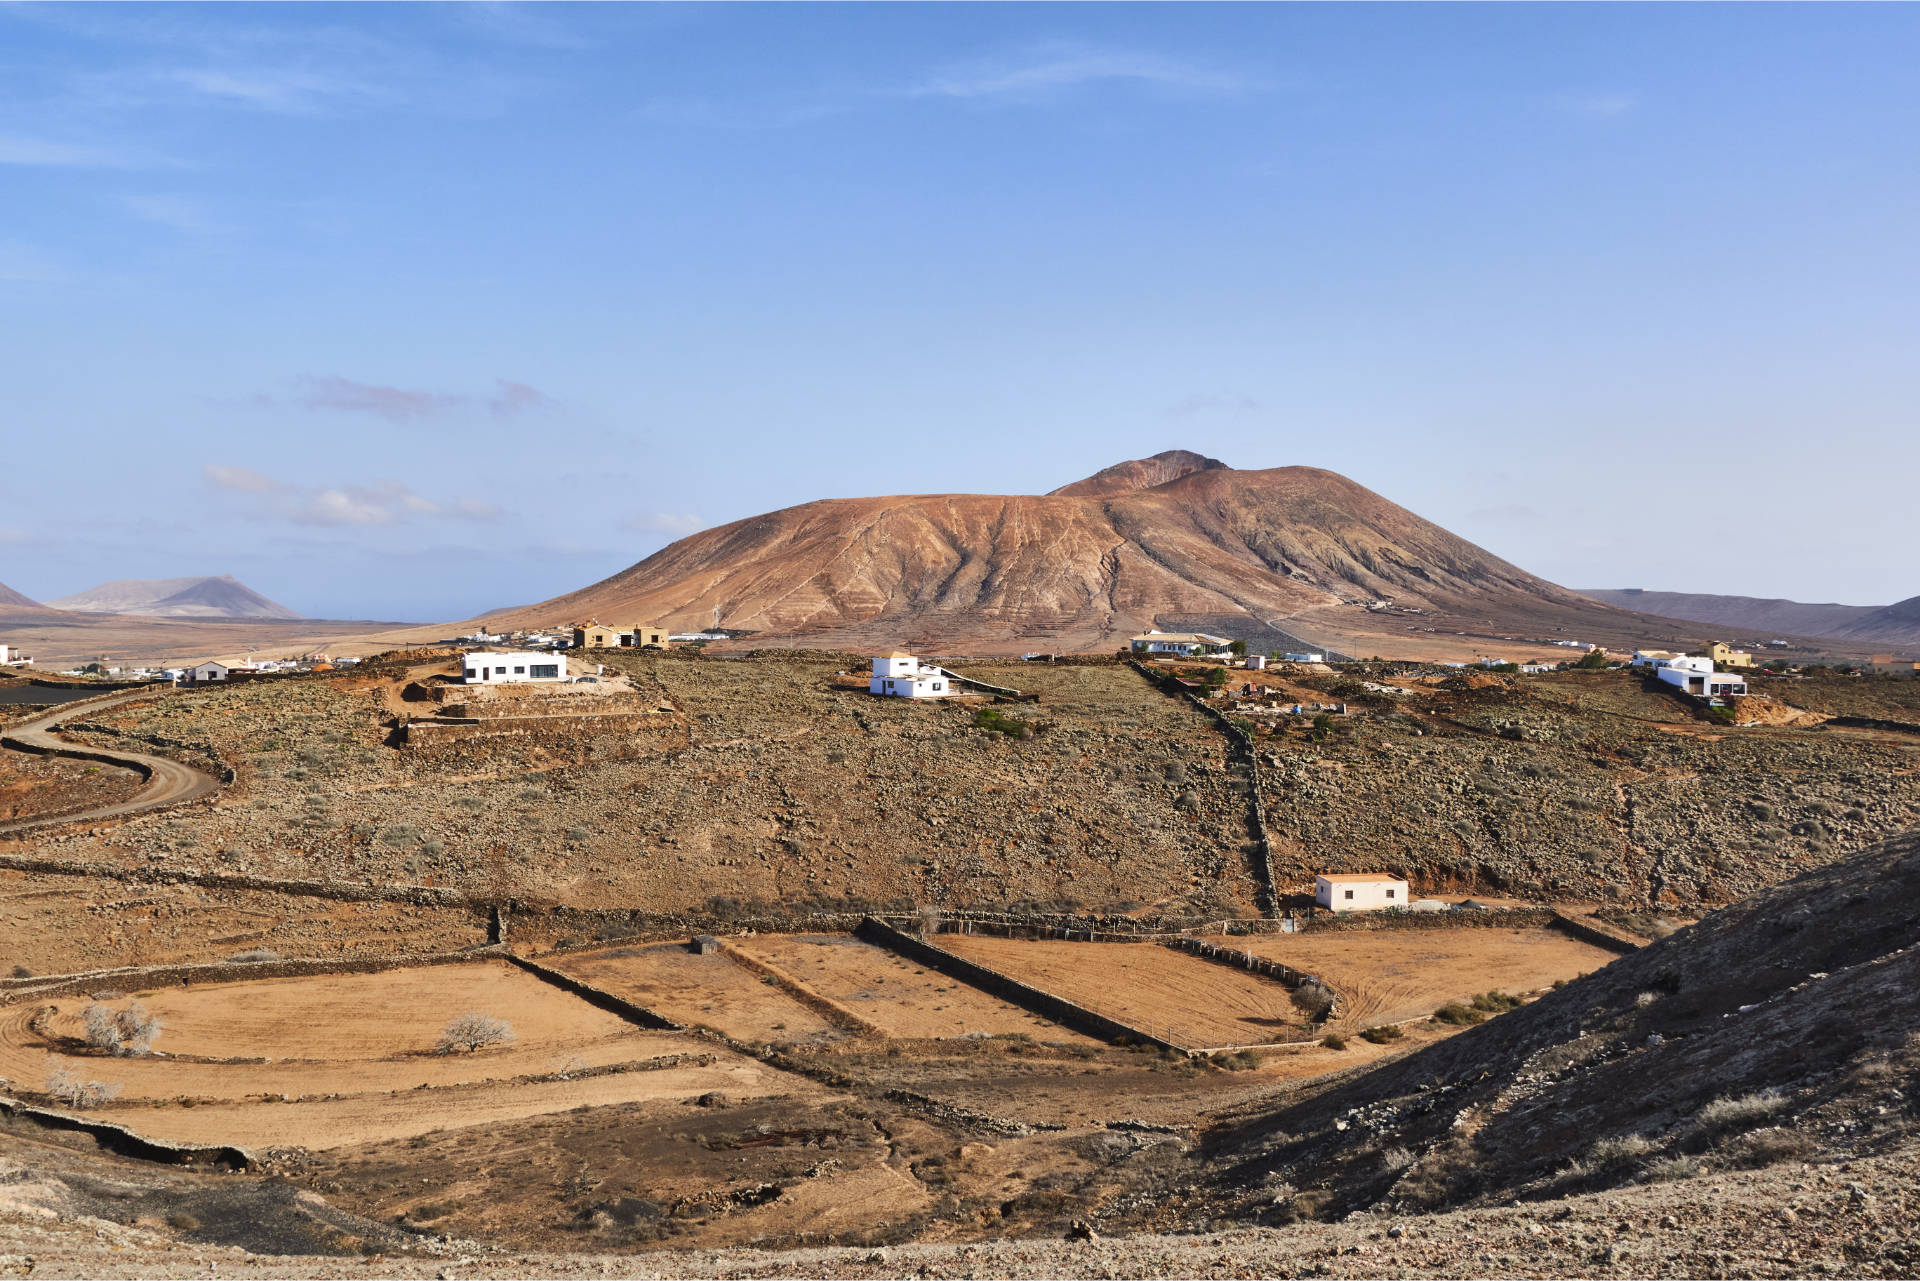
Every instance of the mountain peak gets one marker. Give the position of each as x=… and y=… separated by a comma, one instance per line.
x=217, y=596
x=10, y=597
x=1141, y=473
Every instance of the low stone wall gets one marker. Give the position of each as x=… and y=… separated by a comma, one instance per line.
x=1512, y=918
x=1869, y=722
x=338, y=891
x=1056, y=1009
x=1594, y=932
x=800, y=990
x=175, y=748
x=427, y=733
x=135, y=978
x=1240, y=752
x=122, y=1141
x=603, y=999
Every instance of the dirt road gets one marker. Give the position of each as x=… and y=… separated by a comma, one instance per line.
x=168, y=782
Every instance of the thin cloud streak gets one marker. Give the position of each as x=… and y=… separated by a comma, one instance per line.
x=341, y=506
x=39, y=153
x=1051, y=72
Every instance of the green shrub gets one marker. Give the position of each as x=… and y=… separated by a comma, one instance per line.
x=1459, y=1015
x=1495, y=1002
x=1381, y=1033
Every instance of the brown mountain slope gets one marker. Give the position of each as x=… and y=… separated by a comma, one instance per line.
x=1751, y=615
x=987, y=573
x=1897, y=624
x=12, y=598
x=1140, y=473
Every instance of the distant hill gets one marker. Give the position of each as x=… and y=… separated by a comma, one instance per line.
x=222, y=596
x=1174, y=536
x=10, y=597
x=1757, y=618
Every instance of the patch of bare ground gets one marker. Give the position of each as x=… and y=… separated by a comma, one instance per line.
x=901, y=998
x=698, y=991
x=45, y=787
x=1384, y=976
x=1192, y=1002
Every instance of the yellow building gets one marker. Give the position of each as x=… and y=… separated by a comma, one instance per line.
x=594, y=636
x=642, y=637
x=1726, y=655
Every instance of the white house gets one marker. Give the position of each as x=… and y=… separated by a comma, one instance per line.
x=898, y=675
x=1256, y=662
x=1359, y=891
x=515, y=667
x=1185, y=644
x=1303, y=658
x=1652, y=657
x=10, y=656
x=1696, y=676
x=205, y=673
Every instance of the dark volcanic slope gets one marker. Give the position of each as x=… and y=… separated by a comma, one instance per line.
x=222, y=596
x=986, y=573
x=1753, y=616
x=1777, y=1027
x=1897, y=624
x=10, y=597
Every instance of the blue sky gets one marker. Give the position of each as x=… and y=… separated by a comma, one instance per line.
x=413, y=311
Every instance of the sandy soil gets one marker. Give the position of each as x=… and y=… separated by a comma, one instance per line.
x=38, y=787
x=1386, y=975
x=369, y=1118
x=901, y=998
x=67, y=924
x=705, y=991
x=1189, y=1001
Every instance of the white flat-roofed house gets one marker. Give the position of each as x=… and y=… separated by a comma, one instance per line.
x=1359, y=891
x=1652, y=657
x=1306, y=657
x=898, y=675
x=10, y=656
x=1696, y=676
x=517, y=667
x=1185, y=644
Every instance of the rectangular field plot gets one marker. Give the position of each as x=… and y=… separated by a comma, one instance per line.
x=896, y=995
x=1386, y=975
x=708, y=991
x=1170, y=994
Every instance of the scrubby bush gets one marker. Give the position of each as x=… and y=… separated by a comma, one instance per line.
x=1729, y=1113
x=1624, y=1150
x=1495, y=1002
x=1459, y=1015
x=1334, y=1041
x=69, y=1089
x=254, y=954
x=1381, y=1033
x=473, y=1031
x=121, y=1032
x=1314, y=1000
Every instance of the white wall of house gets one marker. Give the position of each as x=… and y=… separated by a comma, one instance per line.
x=516, y=668
x=904, y=676
x=208, y=672
x=1359, y=894
x=1709, y=683
x=1304, y=658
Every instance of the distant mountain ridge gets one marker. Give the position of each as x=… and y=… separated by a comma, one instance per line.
x=218, y=596
x=1896, y=624
x=10, y=597
x=1081, y=568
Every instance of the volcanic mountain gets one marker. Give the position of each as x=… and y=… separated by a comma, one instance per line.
x=10, y=597
x=1757, y=618
x=221, y=596
x=1173, y=541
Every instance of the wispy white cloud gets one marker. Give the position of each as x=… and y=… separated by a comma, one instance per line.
x=1598, y=106
x=1193, y=405
x=332, y=393
x=286, y=90
x=679, y=524
x=181, y=213
x=341, y=506
x=1050, y=70
x=41, y=153
x=24, y=264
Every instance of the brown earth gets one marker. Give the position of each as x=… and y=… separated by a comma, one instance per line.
x=1189, y=1001
x=1384, y=976
x=901, y=998
x=697, y=991
x=1086, y=566
x=38, y=787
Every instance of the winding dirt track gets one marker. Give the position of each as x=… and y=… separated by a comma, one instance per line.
x=168, y=782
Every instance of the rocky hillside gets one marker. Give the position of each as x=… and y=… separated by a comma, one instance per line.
x=1748, y=616
x=10, y=597
x=220, y=596
x=1777, y=1029
x=1081, y=568
x=1897, y=624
